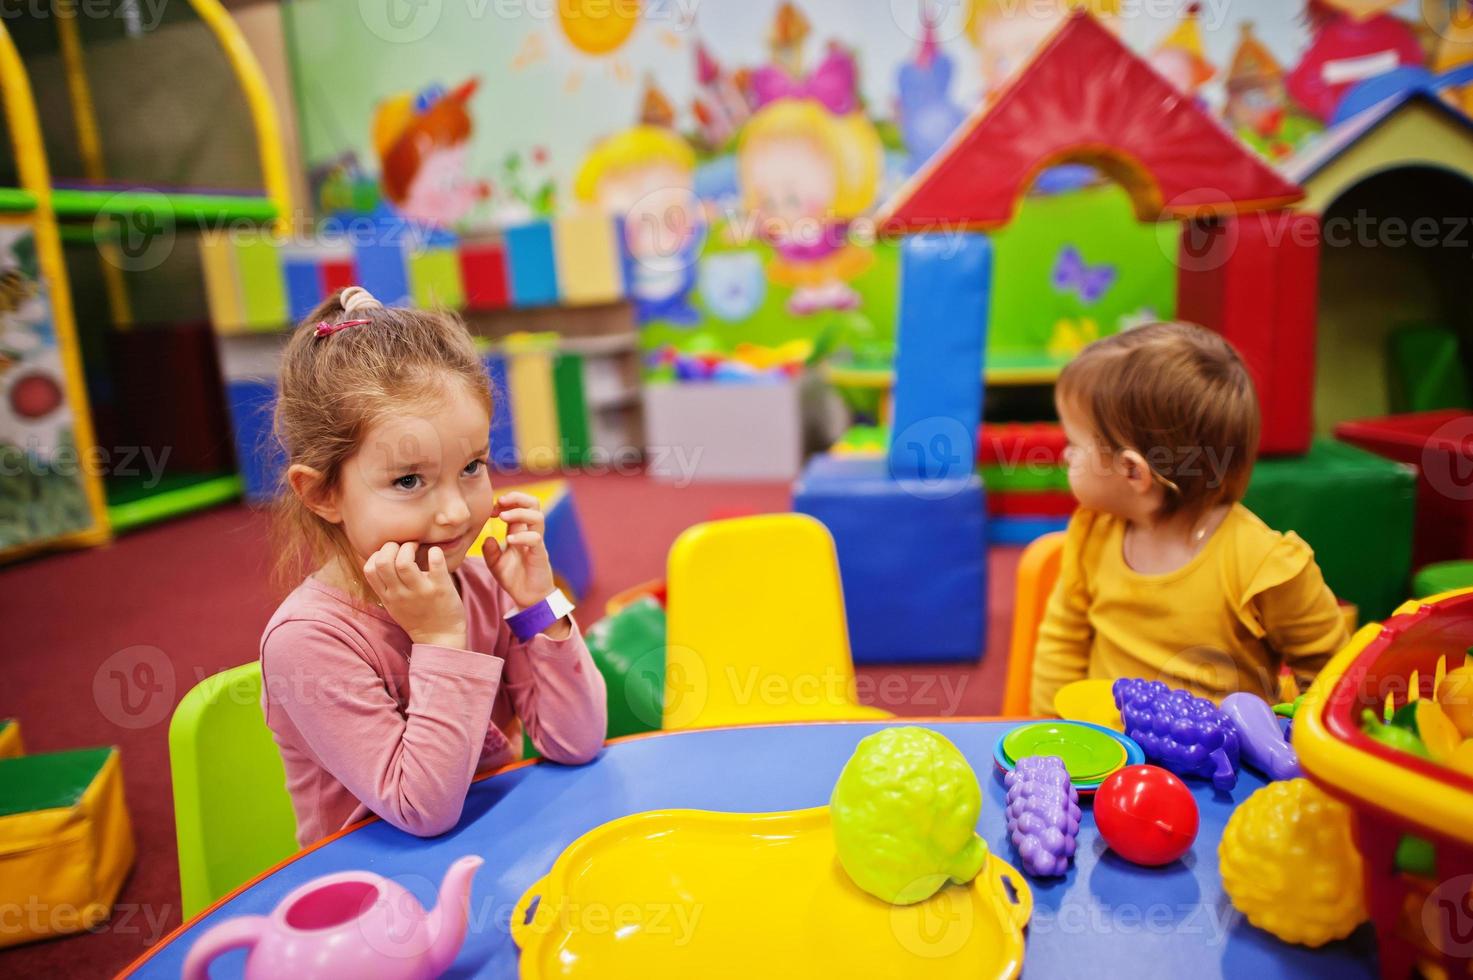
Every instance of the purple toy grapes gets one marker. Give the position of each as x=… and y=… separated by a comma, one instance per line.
x=1178, y=731
x=1043, y=814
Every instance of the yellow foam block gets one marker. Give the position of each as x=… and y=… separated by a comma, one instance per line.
x=547, y=493
x=68, y=860
x=533, y=398
x=222, y=282
x=586, y=247
x=10, y=744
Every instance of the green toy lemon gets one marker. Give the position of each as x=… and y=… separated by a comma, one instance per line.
x=905, y=814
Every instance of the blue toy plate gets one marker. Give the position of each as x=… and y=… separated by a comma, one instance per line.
x=1133, y=755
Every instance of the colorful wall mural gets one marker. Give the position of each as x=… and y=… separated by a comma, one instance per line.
x=745, y=145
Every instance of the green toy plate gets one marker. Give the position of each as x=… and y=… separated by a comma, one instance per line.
x=1088, y=753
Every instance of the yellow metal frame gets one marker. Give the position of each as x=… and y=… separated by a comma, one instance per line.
x=35, y=177
x=258, y=100
x=89, y=145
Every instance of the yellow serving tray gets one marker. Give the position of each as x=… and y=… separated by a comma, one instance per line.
x=694, y=893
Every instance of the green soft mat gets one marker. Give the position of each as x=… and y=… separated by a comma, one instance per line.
x=48, y=782
x=131, y=504
x=1354, y=508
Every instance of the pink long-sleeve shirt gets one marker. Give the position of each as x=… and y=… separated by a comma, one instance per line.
x=368, y=721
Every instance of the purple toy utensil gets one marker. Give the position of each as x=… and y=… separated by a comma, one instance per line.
x=1186, y=734
x=1043, y=814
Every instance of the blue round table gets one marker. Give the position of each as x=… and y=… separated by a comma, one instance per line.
x=1107, y=917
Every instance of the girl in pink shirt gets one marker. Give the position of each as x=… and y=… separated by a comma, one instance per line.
x=399, y=667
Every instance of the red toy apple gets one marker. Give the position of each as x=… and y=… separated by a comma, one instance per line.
x=1146, y=815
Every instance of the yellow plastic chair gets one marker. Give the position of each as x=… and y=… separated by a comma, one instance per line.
x=1038, y=570
x=755, y=626
x=232, y=815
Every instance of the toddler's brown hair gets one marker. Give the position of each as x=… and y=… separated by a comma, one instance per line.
x=1179, y=395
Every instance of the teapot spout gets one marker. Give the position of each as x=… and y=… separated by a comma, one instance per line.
x=447, y=923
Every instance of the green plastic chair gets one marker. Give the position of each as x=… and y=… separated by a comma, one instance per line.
x=232, y=815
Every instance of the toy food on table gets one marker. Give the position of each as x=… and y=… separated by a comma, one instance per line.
x=350, y=924
x=1395, y=736
x=1436, y=730
x=1184, y=733
x=1455, y=694
x=1089, y=700
x=1146, y=814
x=1260, y=738
x=1043, y=814
x=1089, y=752
x=691, y=893
x=905, y=812
x=1289, y=864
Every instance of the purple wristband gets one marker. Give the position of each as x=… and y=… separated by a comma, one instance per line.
x=534, y=619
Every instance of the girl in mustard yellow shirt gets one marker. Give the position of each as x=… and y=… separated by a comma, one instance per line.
x=1165, y=575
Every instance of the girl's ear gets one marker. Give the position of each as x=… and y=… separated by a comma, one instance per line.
x=307, y=484
x=1137, y=471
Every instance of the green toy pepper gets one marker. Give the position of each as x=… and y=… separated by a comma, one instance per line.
x=1392, y=735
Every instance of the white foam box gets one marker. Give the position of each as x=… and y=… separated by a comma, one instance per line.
x=711, y=431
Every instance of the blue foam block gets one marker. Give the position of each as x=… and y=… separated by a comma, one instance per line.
x=503, y=436
x=303, y=287
x=380, y=259
x=566, y=547
x=532, y=264
x=912, y=557
x=257, y=454
x=1022, y=530
x=945, y=291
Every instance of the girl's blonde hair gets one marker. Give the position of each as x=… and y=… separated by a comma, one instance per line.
x=637, y=146
x=849, y=141
x=336, y=383
x=1179, y=395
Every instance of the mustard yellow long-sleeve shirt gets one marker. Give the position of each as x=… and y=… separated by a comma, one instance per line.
x=1251, y=601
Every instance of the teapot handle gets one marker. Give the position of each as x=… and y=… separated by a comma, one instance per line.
x=244, y=931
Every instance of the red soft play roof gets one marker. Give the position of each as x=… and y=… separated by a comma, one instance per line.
x=1087, y=98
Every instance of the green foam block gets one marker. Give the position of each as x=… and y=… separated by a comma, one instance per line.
x=46, y=782
x=572, y=408
x=1355, y=510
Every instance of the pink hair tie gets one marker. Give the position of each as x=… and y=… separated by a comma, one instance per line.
x=324, y=328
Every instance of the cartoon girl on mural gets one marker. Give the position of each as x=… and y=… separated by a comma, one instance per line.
x=422, y=141
x=646, y=174
x=809, y=162
x=1354, y=40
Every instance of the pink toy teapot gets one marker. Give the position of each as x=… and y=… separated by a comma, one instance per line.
x=347, y=926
